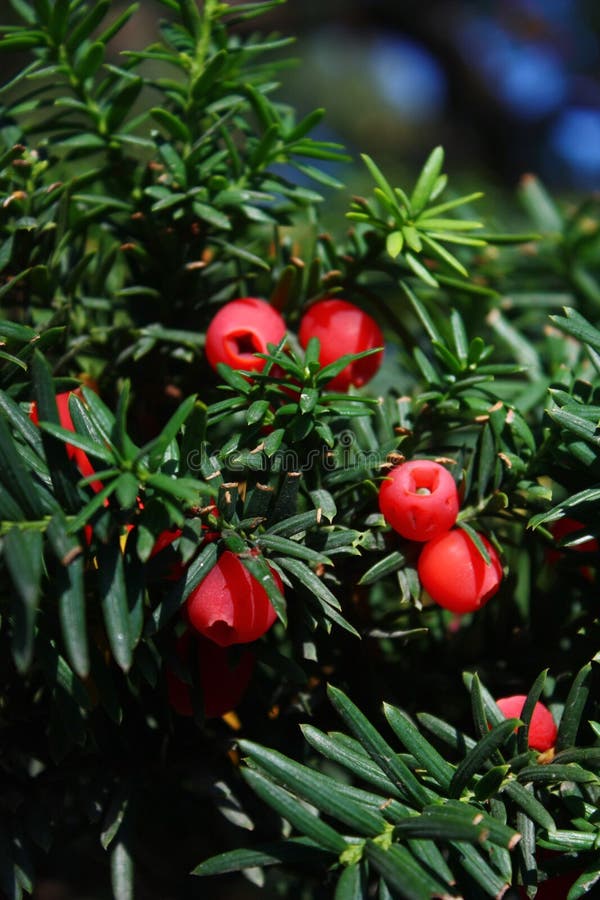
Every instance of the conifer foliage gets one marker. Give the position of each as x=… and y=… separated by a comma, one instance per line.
x=181, y=537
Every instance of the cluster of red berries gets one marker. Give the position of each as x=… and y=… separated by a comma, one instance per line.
x=228, y=607
x=419, y=499
x=244, y=327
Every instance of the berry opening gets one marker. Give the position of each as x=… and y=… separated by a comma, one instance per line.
x=423, y=480
x=220, y=632
x=245, y=343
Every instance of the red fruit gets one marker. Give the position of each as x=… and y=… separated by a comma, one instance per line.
x=542, y=728
x=419, y=499
x=556, y=888
x=229, y=606
x=343, y=328
x=240, y=329
x=222, y=684
x=165, y=539
x=454, y=573
x=567, y=526
x=78, y=456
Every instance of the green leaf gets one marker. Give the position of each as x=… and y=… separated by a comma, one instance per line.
x=421, y=311
x=555, y=773
x=438, y=250
x=483, y=708
x=351, y=884
x=573, y=710
x=69, y=583
x=121, y=103
x=295, y=813
x=115, y=814
x=496, y=831
x=420, y=271
x=540, y=205
x=260, y=570
x=378, y=748
x=115, y=607
x=88, y=24
x=533, y=696
x=435, y=211
x=15, y=477
x=294, y=549
x=320, y=790
x=473, y=862
x=386, y=566
x=380, y=179
x=427, y=179
x=586, y=881
x=24, y=9
x=91, y=61
x=122, y=872
x=394, y=243
x=490, y=783
x=23, y=553
x=59, y=673
x=187, y=489
x=211, y=72
x=332, y=369
x=577, y=326
x=58, y=20
x=402, y=872
x=529, y=804
x=447, y=733
x=156, y=448
x=443, y=827
x=361, y=765
x=117, y=24
x=79, y=441
x=176, y=128
x=293, y=851
x=311, y=581
x=479, y=755
x=324, y=503
x=426, y=755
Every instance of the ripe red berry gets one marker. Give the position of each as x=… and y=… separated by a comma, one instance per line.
x=454, y=574
x=241, y=329
x=542, y=727
x=419, y=499
x=229, y=606
x=223, y=685
x=343, y=328
x=78, y=456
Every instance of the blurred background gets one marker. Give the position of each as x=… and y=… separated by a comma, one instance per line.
x=507, y=86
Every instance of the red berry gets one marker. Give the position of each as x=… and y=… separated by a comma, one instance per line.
x=570, y=526
x=454, y=573
x=222, y=684
x=241, y=329
x=556, y=888
x=343, y=328
x=542, y=728
x=419, y=499
x=229, y=606
x=78, y=456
